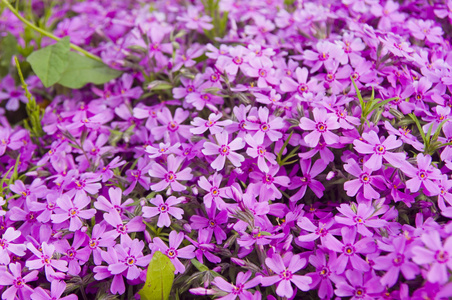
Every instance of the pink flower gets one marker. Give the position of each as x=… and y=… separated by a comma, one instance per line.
x=164, y=209
x=321, y=127
x=175, y=239
x=171, y=176
x=285, y=269
x=73, y=210
x=224, y=150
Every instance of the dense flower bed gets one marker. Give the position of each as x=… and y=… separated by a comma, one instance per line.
x=271, y=149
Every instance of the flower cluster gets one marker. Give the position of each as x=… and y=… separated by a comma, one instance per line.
x=295, y=149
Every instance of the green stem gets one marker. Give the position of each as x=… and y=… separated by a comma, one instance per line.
x=48, y=34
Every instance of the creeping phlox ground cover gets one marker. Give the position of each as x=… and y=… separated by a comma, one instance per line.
x=240, y=149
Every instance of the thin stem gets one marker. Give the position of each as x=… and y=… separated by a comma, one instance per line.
x=48, y=34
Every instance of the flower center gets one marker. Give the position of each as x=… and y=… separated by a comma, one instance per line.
x=163, y=208
x=422, y=175
x=262, y=73
x=364, y=178
x=237, y=60
x=171, y=252
x=131, y=261
x=380, y=149
x=321, y=127
x=170, y=176
x=286, y=275
x=324, y=56
x=302, y=88
x=360, y=292
x=73, y=212
x=349, y=250
x=441, y=256
x=265, y=127
x=173, y=126
x=398, y=260
x=224, y=150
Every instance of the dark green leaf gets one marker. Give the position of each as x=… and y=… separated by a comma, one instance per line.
x=9, y=48
x=199, y=266
x=82, y=70
x=49, y=63
x=159, y=278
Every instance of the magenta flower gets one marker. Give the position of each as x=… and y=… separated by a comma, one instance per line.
x=164, y=209
x=57, y=288
x=77, y=254
x=365, y=180
x=212, y=187
x=379, y=150
x=115, y=202
x=322, y=229
x=212, y=124
x=224, y=150
x=301, y=86
x=285, y=270
x=259, y=150
x=138, y=175
x=397, y=260
x=266, y=127
x=205, y=247
x=121, y=227
x=365, y=216
x=46, y=260
x=423, y=175
x=308, y=179
x=350, y=250
x=18, y=285
x=170, y=176
x=130, y=258
x=439, y=256
x=175, y=239
x=321, y=127
x=358, y=287
x=172, y=129
x=73, y=210
x=97, y=240
x=240, y=288
x=101, y=272
x=212, y=222
x=6, y=247
x=323, y=276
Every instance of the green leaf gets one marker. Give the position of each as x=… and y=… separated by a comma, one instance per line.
x=199, y=266
x=159, y=278
x=82, y=70
x=358, y=93
x=49, y=63
x=9, y=48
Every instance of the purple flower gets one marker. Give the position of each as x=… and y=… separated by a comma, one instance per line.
x=258, y=150
x=364, y=181
x=164, y=209
x=215, y=194
x=170, y=176
x=73, y=210
x=323, y=276
x=172, y=129
x=321, y=127
x=130, y=257
x=379, y=150
x=240, y=288
x=57, y=288
x=46, y=260
x=357, y=287
x=121, y=227
x=115, y=202
x=362, y=217
x=75, y=255
x=212, y=222
x=212, y=124
x=205, y=247
x=18, y=285
x=308, y=179
x=6, y=247
x=175, y=239
x=397, y=260
x=224, y=149
x=350, y=250
x=437, y=254
x=423, y=175
x=285, y=270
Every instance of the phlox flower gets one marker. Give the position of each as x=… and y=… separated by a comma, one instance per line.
x=130, y=258
x=73, y=210
x=6, y=247
x=175, y=239
x=193, y=20
x=162, y=149
x=115, y=203
x=164, y=209
x=212, y=223
x=321, y=127
x=57, y=288
x=171, y=176
x=398, y=260
x=260, y=151
x=323, y=276
x=350, y=250
x=77, y=254
x=19, y=288
x=423, y=175
x=365, y=180
x=307, y=180
x=365, y=216
x=357, y=287
x=268, y=126
x=264, y=184
x=436, y=254
x=172, y=129
x=102, y=272
x=205, y=247
x=285, y=269
x=138, y=175
x=212, y=187
x=239, y=289
x=212, y=124
x=46, y=260
x=224, y=149
x=99, y=239
x=121, y=227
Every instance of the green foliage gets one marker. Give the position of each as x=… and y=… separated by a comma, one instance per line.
x=159, y=278
x=50, y=62
x=82, y=70
x=294, y=153
x=431, y=143
x=9, y=48
x=219, y=22
x=369, y=106
x=57, y=64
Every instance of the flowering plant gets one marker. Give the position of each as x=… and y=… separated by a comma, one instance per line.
x=226, y=149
